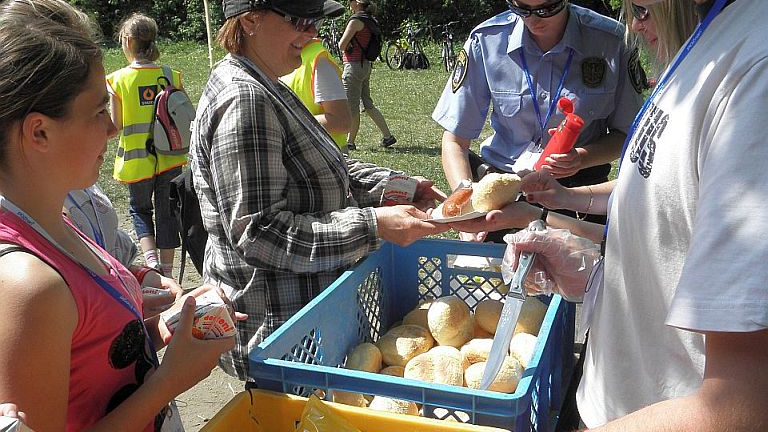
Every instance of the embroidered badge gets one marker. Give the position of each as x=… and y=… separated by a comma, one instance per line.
x=147, y=95
x=459, y=73
x=593, y=71
x=637, y=75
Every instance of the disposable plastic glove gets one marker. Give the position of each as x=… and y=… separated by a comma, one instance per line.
x=562, y=265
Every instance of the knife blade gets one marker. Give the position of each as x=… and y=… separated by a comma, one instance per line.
x=513, y=304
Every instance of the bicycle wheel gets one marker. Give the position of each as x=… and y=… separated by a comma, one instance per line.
x=449, y=58
x=394, y=56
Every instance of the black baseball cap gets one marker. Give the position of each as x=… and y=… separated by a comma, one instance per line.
x=297, y=8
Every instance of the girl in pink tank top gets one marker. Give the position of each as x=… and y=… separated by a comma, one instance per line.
x=76, y=352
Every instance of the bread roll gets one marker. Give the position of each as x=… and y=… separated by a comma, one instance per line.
x=447, y=350
x=506, y=380
x=494, y=191
x=347, y=398
x=435, y=368
x=404, y=342
x=522, y=347
x=531, y=316
x=364, y=357
x=418, y=316
x=450, y=321
x=381, y=403
x=397, y=371
x=479, y=332
x=476, y=350
x=487, y=314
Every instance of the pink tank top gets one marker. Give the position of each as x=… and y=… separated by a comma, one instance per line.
x=110, y=353
x=355, y=53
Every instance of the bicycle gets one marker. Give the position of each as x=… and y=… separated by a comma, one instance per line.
x=331, y=36
x=448, y=54
x=407, y=53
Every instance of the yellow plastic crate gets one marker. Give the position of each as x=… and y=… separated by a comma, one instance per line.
x=266, y=411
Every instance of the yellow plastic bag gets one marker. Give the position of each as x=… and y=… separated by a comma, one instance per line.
x=318, y=417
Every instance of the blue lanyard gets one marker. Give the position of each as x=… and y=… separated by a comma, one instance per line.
x=99, y=238
x=543, y=121
x=106, y=286
x=662, y=83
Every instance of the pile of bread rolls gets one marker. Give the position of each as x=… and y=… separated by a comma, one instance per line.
x=442, y=341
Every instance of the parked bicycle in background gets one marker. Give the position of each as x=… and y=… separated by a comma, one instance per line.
x=330, y=36
x=448, y=54
x=407, y=53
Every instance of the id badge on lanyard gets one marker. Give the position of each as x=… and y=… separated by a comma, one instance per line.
x=531, y=154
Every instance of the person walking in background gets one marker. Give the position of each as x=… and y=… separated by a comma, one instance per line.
x=286, y=211
x=132, y=91
x=357, y=71
x=77, y=354
x=317, y=82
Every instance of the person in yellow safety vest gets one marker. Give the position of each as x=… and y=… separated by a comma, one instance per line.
x=132, y=91
x=317, y=82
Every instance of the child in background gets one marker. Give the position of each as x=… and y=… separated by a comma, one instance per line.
x=132, y=91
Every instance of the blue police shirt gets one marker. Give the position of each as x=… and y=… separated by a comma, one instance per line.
x=597, y=82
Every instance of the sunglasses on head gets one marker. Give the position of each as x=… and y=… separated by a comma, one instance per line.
x=640, y=13
x=301, y=24
x=545, y=11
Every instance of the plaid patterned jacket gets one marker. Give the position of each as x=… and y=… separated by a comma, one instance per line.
x=286, y=212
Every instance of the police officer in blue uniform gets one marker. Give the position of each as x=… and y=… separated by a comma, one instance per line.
x=521, y=62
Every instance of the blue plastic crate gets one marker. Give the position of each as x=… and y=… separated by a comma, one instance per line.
x=307, y=353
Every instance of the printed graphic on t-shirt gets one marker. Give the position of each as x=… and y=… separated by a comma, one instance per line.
x=147, y=95
x=130, y=347
x=644, y=140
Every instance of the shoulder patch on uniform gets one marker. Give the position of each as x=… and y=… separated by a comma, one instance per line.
x=459, y=73
x=637, y=75
x=593, y=71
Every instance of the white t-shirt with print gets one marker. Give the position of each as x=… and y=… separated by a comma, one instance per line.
x=688, y=236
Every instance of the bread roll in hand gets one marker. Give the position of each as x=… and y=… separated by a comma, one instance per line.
x=494, y=191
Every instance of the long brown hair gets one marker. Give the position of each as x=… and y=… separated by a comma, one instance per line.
x=46, y=54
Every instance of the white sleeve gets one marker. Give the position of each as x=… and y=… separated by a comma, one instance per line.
x=723, y=285
x=328, y=86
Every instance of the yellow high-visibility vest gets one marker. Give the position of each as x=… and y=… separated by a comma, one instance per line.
x=302, y=82
x=136, y=89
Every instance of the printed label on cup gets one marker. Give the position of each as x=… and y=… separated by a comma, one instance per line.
x=399, y=188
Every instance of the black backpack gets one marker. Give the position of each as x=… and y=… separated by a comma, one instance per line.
x=373, y=50
x=186, y=208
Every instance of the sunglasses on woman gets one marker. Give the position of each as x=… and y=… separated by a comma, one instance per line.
x=301, y=24
x=640, y=13
x=545, y=11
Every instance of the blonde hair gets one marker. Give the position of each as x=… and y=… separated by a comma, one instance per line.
x=142, y=30
x=675, y=21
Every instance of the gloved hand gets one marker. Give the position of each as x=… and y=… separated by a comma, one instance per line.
x=562, y=265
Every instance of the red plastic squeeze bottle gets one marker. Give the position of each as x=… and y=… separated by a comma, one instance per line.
x=564, y=137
